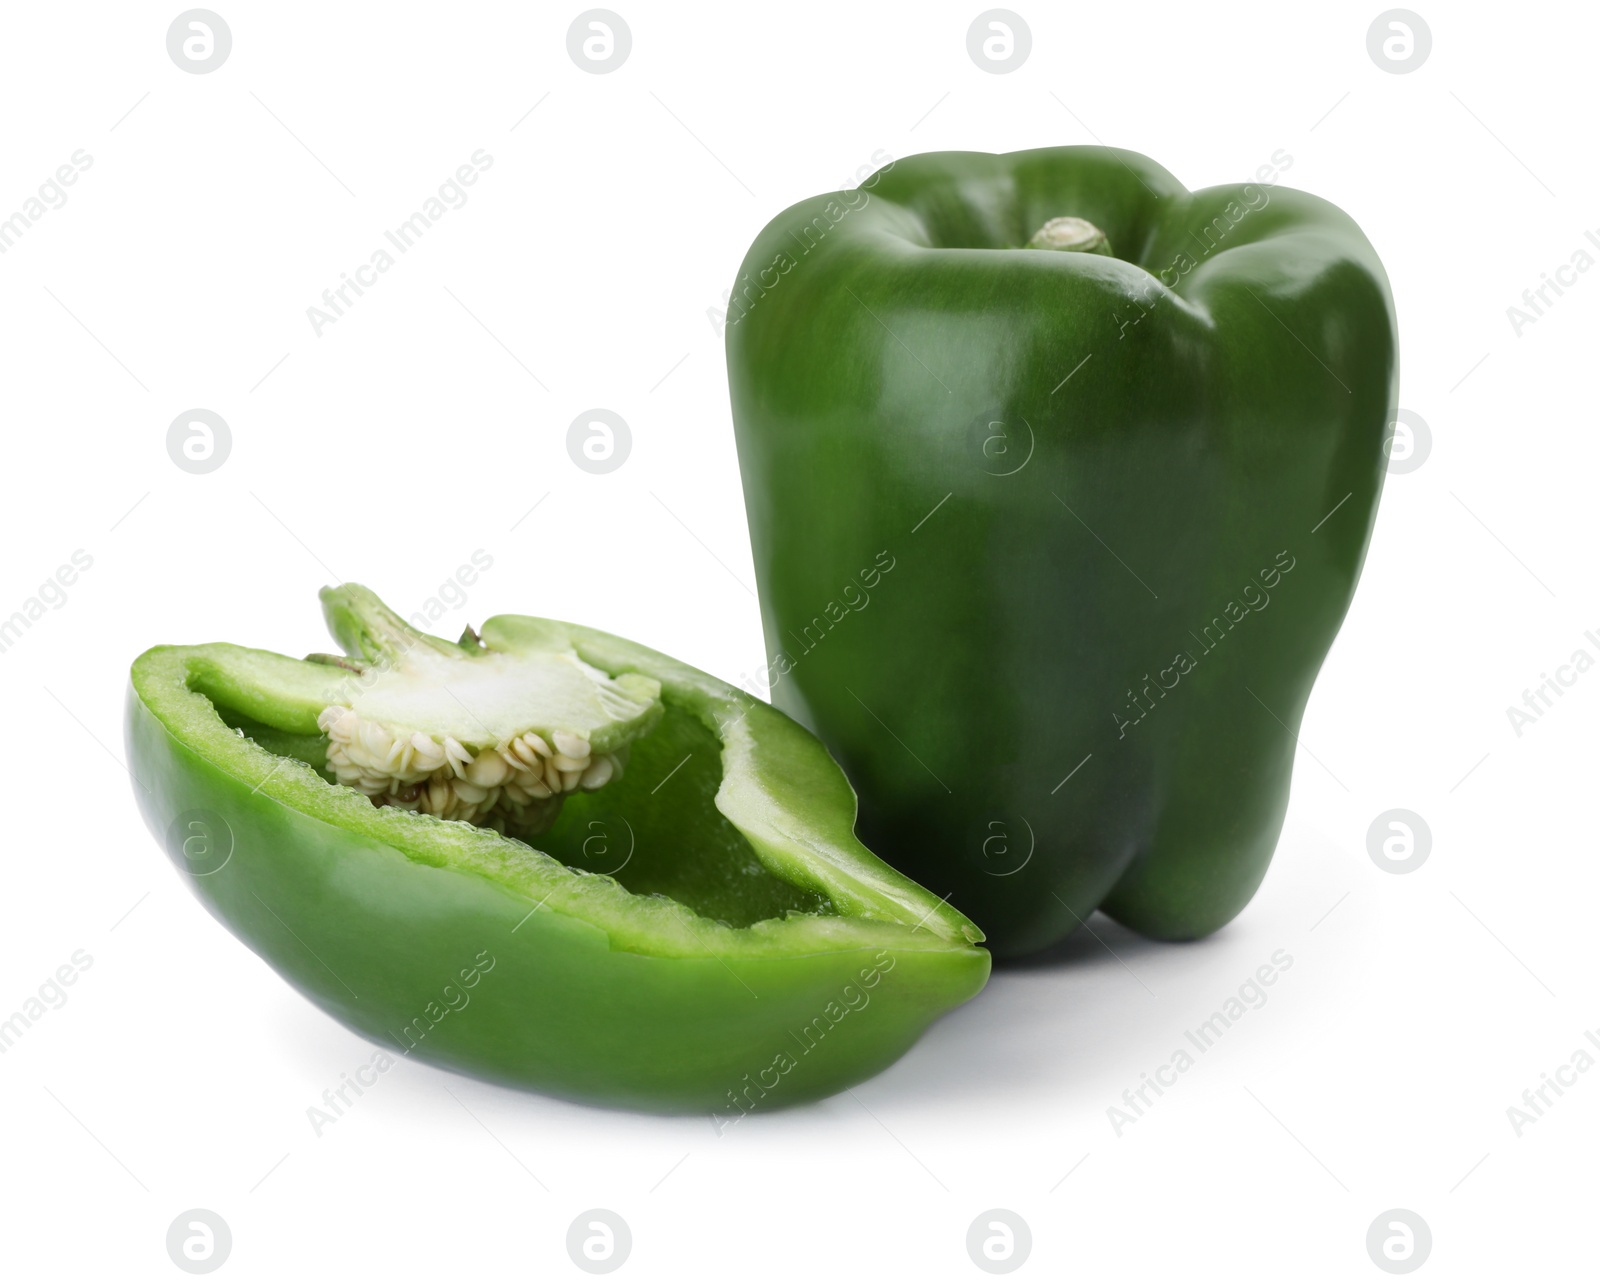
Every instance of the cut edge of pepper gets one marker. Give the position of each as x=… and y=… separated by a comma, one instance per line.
x=876, y=905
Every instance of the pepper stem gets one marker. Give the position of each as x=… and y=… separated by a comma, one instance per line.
x=368, y=629
x=1070, y=233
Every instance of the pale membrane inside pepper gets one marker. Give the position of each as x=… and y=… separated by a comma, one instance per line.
x=497, y=740
x=515, y=786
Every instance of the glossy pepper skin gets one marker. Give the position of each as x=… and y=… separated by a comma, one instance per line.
x=1126, y=497
x=812, y=966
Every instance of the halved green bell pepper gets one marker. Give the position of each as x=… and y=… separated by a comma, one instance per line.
x=687, y=922
x=1059, y=480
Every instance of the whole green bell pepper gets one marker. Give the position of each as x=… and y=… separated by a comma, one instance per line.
x=1059, y=479
x=544, y=856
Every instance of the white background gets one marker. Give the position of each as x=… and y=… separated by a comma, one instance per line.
x=425, y=423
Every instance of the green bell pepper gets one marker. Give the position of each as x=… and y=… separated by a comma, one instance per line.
x=544, y=856
x=1119, y=446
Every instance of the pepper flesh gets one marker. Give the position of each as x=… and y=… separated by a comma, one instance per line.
x=1092, y=475
x=745, y=951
